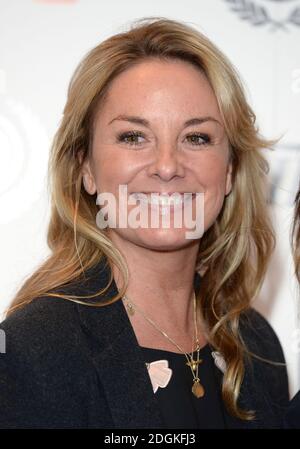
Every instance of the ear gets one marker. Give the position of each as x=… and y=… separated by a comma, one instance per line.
x=228, y=186
x=87, y=174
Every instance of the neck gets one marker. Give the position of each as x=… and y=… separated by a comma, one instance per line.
x=161, y=284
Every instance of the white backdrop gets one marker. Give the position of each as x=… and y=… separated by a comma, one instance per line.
x=42, y=41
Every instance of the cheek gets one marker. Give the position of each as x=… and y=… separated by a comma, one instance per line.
x=213, y=173
x=212, y=176
x=111, y=169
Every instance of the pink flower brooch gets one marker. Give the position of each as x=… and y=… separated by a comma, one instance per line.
x=160, y=373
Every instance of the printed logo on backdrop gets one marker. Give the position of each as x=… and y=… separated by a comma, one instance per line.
x=24, y=153
x=275, y=14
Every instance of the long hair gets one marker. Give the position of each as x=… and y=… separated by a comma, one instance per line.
x=233, y=252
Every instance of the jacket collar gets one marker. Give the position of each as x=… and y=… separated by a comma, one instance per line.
x=115, y=351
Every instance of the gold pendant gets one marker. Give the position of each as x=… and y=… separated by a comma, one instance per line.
x=198, y=389
x=193, y=364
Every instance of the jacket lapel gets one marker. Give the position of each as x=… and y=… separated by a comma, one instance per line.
x=118, y=358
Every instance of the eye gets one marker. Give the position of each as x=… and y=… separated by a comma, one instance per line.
x=199, y=139
x=130, y=137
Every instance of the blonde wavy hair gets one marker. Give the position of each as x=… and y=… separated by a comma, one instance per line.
x=233, y=252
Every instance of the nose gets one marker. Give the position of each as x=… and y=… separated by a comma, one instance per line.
x=167, y=163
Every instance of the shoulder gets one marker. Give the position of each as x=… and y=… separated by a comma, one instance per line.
x=44, y=318
x=41, y=381
x=49, y=318
x=259, y=336
x=52, y=322
x=266, y=370
x=40, y=335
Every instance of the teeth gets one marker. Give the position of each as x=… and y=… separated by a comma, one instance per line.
x=160, y=200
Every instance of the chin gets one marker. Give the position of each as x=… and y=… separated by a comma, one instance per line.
x=161, y=239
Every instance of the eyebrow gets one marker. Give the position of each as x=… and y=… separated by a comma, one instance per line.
x=144, y=122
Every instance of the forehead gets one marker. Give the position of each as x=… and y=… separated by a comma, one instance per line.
x=162, y=89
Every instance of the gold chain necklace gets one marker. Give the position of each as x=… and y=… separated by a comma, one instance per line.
x=197, y=388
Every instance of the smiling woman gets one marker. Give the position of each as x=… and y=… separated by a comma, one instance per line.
x=172, y=155
x=160, y=110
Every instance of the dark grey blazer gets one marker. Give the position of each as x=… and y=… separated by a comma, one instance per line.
x=75, y=366
x=292, y=418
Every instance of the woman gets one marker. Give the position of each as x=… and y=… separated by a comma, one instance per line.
x=292, y=419
x=145, y=326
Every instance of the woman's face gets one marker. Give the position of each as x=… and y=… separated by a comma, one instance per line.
x=142, y=139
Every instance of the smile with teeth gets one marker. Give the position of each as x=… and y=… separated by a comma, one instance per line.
x=163, y=200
